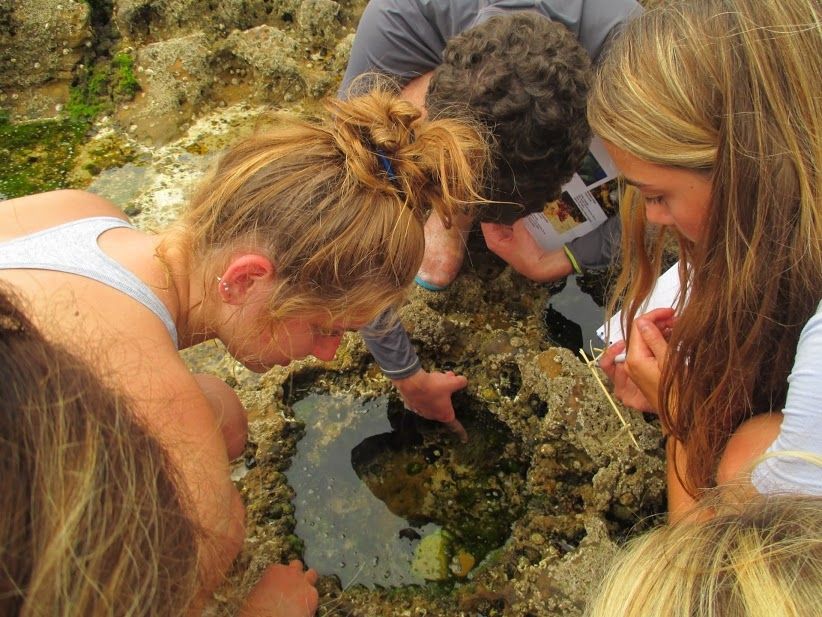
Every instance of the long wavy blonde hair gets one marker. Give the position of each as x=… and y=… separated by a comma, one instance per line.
x=93, y=520
x=728, y=88
x=337, y=202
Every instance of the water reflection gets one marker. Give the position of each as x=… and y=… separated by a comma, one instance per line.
x=572, y=315
x=384, y=498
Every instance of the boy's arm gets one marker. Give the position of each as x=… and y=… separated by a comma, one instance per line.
x=393, y=38
x=427, y=394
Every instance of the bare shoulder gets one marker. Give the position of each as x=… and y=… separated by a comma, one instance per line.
x=29, y=214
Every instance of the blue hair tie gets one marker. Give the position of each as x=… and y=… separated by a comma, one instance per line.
x=386, y=165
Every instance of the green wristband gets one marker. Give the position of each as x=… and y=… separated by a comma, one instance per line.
x=572, y=259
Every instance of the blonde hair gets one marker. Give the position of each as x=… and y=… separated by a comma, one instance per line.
x=93, y=521
x=759, y=558
x=726, y=88
x=338, y=202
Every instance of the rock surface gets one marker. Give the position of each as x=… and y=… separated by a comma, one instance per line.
x=190, y=58
x=41, y=44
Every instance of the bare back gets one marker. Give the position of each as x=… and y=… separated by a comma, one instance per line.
x=130, y=347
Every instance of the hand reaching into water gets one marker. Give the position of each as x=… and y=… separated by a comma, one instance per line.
x=283, y=591
x=429, y=395
x=636, y=381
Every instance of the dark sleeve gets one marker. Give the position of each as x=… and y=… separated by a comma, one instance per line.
x=598, y=247
x=391, y=347
x=395, y=38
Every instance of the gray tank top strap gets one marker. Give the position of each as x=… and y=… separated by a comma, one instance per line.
x=72, y=248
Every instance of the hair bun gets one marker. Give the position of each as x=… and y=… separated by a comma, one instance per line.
x=389, y=146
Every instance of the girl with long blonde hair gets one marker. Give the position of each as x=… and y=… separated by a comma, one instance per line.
x=303, y=231
x=710, y=108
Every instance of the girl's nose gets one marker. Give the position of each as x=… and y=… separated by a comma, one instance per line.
x=657, y=214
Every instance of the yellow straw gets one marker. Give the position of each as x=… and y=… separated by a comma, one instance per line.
x=589, y=362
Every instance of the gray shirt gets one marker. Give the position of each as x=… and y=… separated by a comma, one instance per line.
x=406, y=38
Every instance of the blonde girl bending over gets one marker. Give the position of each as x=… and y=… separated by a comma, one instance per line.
x=711, y=110
x=301, y=232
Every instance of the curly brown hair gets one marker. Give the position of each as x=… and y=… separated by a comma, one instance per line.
x=527, y=79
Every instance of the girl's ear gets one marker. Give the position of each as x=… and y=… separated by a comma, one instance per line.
x=242, y=274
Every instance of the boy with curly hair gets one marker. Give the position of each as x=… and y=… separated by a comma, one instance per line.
x=522, y=67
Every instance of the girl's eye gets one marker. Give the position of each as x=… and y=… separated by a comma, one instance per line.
x=655, y=199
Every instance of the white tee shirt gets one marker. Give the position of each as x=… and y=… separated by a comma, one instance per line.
x=801, y=429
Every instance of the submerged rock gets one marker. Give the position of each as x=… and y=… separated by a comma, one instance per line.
x=431, y=557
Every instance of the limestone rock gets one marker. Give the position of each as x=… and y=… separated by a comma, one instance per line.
x=318, y=20
x=41, y=41
x=175, y=77
x=271, y=55
x=152, y=20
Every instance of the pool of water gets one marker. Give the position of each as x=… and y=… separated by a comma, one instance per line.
x=384, y=498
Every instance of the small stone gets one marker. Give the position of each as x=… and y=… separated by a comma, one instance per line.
x=462, y=563
x=430, y=557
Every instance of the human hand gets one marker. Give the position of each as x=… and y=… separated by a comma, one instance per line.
x=624, y=388
x=283, y=591
x=636, y=381
x=429, y=395
x=515, y=244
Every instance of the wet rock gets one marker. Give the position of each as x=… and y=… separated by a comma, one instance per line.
x=562, y=587
x=318, y=20
x=41, y=42
x=147, y=21
x=174, y=77
x=431, y=557
x=270, y=54
x=342, y=51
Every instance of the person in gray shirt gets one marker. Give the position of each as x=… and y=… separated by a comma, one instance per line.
x=521, y=66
